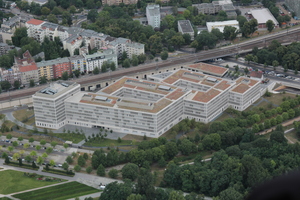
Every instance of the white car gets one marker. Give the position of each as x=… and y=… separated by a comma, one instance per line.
x=59, y=165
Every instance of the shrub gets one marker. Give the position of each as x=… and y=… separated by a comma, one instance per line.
x=113, y=173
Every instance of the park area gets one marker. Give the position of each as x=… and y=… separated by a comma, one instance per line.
x=15, y=181
x=59, y=192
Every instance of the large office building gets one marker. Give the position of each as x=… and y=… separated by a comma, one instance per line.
x=49, y=104
x=151, y=107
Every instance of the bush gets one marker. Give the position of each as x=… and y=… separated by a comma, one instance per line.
x=77, y=168
x=89, y=169
x=101, y=170
x=113, y=173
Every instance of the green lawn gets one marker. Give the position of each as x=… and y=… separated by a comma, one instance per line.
x=16, y=182
x=108, y=143
x=5, y=198
x=58, y=192
x=75, y=138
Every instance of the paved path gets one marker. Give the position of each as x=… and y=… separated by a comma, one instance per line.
x=289, y=122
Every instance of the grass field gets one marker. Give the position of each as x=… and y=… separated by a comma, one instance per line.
x=75, y=138
x=16, y=182
x=59, y=192
x=5, y=198
x=292, y=136
x=23, y=115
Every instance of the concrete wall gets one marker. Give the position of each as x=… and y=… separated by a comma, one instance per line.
x=15, y=102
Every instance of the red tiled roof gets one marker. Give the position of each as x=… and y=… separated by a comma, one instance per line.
x=28, y=68
x=209, y=69
x=35, y=22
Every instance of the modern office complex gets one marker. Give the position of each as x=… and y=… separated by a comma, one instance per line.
x=49, y=104
x=148, y=107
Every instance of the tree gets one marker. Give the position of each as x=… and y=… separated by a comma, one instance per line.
x=45, y=11
x=45, y=155
x=53, y=144
x=186, y=147
x=217, y=33
x=65, y=76
x=113, y=173
x=212, y=141
x=31, y=83
x=134, y=60
x=33, y=153
x=51, y=163
x=38, y=147
x=16, y=156
x=43, y=142
x=270, y=25
x=229, y=33
x=77, y=168
x=130, y=171
x=89, y=169
x=31, y=140
x=65, y=166
x=278, y=136
x=85, y=156
x=230, y=194
x=81, y=161
x=92, y=15
x=117, y=190
x=17, y=84
x=164, y=55
x=52, y=18
x=10, y=148
x=96, y=70
x=39, y=160
x=126, y=63
x=66, y=145
x=15, y=143
x=101, y=170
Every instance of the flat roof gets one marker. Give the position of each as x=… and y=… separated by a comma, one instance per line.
x=186, y=26
x=262, y=15
x=206, y=96
x=208, y=69
x=221, y=25
x=35, y=22
x=55, y=89
x=244, y=84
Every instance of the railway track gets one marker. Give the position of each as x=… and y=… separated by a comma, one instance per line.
x=283, y=37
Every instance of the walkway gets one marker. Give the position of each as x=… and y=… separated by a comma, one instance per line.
x=289, y=122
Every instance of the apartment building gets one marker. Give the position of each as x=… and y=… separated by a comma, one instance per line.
x=151, y=107
x=216, y=6
x=75, y=38
x=10, y=75
x=120, y=45
x=78, y=62
x=45, y=68
x=185, y=27
x=207, y=8
x=49, y=104
x=27, y=68
x=153, y=15
x=97, y=59
x=34, y=29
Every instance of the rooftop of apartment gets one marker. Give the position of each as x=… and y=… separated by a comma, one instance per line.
x=244, y=84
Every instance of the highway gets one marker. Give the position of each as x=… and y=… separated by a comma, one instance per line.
x=285, y=36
